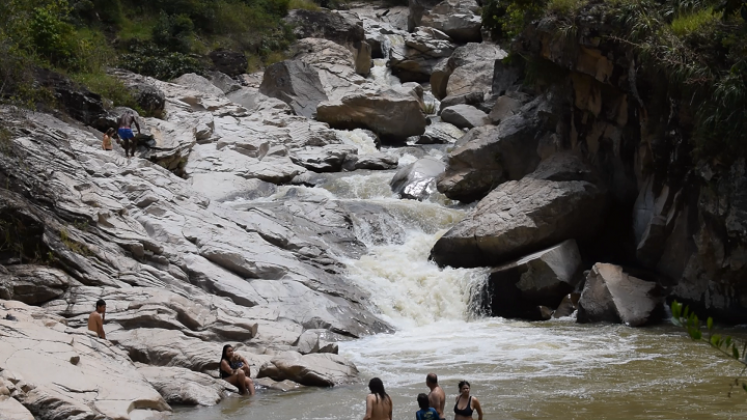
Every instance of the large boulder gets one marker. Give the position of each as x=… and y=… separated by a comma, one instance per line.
x=231, y=63
x=328, y=25
x=416, y=10
x=613, y=295
x=440, y=132
x=561, y=200
x=393, y=114
x=72, y=98
x=151, y=99
x=33, y=284
x=490, y=155
x=417, y=180
x=182, y=386
x=465, y=116
x=295, y=83
x=424, y=49
x=476, y=61
x=515, y=290
x=317, y=369
x=460, y=19
x=363, y=61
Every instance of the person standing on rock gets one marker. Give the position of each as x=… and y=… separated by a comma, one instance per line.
x=437, y=396
x=466, y=404
x=96, y=319
x=378, y=402
x=234, y=369
x=125, y=132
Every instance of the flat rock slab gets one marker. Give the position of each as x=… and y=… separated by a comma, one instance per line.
x=184, y=387
x=324, y=369
x=465, y=116
x=612, y=295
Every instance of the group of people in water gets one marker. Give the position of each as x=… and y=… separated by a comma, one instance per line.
x=235, y=370
x=432, y=405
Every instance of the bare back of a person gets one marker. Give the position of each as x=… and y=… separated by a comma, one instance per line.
x=126, y=120
x=95, y=323
x=437, y=400
x=381, y=407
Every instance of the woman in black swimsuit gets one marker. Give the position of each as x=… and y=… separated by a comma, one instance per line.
x=466, y=404
x=234, y=369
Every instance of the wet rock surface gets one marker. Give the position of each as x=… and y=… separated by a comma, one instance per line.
x=417, y=181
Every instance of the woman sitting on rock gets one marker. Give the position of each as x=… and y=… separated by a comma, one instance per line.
x=234, y=369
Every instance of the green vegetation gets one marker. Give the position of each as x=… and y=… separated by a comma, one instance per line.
x=160, y=38
x=725, y=344
x=697, y=47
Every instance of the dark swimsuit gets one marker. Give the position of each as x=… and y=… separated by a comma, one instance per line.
x=466, y=411
x=234, y=365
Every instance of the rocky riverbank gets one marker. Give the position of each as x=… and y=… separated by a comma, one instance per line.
x=579, y=189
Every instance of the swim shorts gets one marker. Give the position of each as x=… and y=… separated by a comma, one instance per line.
x=125, y=133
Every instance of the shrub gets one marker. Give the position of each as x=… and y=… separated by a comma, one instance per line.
x=303, y=4
x=51, y=35
x=159, y=63
x=687, y=23
x=174, y=32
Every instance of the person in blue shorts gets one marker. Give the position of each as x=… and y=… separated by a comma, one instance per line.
x=426, y=412
x=125, y=132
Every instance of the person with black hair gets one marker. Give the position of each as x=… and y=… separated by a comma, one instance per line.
x=466, y=404
x=96, y=319
x=378, y=402
x=426, y=412
x=234, y=369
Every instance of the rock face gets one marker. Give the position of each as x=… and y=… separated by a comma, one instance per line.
x=459, y=19
x=231, y=63
x=394, y=114
x=558, y=201
x=488, y=156
x=328, y=25
x=440, y=132
x=61, y=373
x=424, y=49
x=473, y=68
x=417, y=181
x=363, y=59
x=329, y=158
x=33, y=285
x=312, y=369
x=516, y=289
x=465, y=116
x=295, y=83
x=612, y=295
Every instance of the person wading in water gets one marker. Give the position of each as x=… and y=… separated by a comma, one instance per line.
x=378, y=403
x=466, y=404
x=125, y=132
x=437, y=396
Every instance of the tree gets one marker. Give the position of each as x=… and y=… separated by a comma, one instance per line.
x=728, y=346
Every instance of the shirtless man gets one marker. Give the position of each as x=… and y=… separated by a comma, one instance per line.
x=96, y=319
x=437, y=396
x=125, y=132
x=378, y=402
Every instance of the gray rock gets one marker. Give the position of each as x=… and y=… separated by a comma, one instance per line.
x=516, y=289
x=424, y=49
x=151, y=99
x=477, y=76
x=465, y=116
x=330, y=158
x=567, y=306
x=439, y=132
x=224, y=82
x=612, y=295
x=505, y=107
x=394, y=114
x=488, y=156
x=378, y=162
x=460, y=19
x=506, y=78
x=416, y=10
x=312, y=370
x=417, y=181
x=182, y=386
x=33, y=284
x=559, y=201
x=295, y=83
x=471, y=98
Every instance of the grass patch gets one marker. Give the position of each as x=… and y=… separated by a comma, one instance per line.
x=689, y=23
x=274, y=57
x=303, y=4
x=254, y=63
x=137, y=29
x=109, y=87
x=565, y=8
x=72, y=245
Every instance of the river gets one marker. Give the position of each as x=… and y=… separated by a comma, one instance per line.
x=519, y=370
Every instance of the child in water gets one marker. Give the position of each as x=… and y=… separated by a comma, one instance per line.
x=426, y=412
